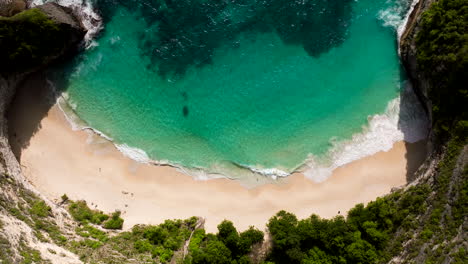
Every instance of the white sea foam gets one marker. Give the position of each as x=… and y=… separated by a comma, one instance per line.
x=392, y=16
x=402, y=26
x=133, y=153
x=89, y=17
x=404, y=119
x=273, y=173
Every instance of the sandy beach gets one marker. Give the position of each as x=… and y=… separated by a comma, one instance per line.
x=58, y=160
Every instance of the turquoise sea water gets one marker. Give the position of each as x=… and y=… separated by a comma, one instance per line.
x=256, y=83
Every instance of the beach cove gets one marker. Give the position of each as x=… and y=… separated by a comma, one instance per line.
x=83, y=165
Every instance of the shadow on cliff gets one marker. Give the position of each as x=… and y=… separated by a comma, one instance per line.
x=34, y=98
x=414, y=123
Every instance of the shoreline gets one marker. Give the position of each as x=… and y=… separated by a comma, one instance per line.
x=98, y=172
x=340, y=153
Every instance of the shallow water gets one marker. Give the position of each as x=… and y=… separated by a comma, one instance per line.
x=264, y=84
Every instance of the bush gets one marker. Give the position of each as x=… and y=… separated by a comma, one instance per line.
x=214, y=252
x=143, y=245
x=64, y=198
x=40, y=209
x=80, y=211
x=83, y=214
x=115, y=222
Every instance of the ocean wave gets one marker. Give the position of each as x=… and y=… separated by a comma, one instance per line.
x=273, y=173
x=404, y=119
x=85, y=10
x=396, y=16
x=402, y=26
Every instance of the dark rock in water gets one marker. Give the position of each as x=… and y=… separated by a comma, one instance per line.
x=11, y=7
x=185, y=111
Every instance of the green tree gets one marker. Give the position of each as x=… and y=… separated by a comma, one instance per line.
x=215, y=252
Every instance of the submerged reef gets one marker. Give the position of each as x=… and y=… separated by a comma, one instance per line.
x=182, y=34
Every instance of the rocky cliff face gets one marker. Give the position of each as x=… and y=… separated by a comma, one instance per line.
x=408, y=56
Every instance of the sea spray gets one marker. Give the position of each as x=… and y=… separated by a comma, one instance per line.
x=397, y=15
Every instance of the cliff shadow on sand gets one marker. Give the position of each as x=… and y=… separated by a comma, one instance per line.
x=414, y=123
x=34, y=98
x=30, y=41
x=32, y=102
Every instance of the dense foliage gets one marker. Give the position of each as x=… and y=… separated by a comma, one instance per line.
x=27, y=38
x=442, y=52
x=362, y=237
x=227, y=246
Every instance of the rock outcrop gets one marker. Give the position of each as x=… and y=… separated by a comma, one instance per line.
x=65, y=18
x=11, y=7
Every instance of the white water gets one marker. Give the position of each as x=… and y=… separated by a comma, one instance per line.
x=404, y=119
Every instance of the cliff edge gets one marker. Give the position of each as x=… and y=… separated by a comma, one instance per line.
x=29, y=41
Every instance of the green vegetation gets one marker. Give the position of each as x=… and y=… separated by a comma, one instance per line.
x=442, y=46
x=40, y=209
x=362, y=237
x=115, y=222
x=27, y=38
x=30, y=255
x=227, y=246
x=83, y=214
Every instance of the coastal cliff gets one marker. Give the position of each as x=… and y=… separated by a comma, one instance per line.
x=30, y=40
x=433, y=52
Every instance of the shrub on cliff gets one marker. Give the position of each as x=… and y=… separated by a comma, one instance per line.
x=115, y=222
